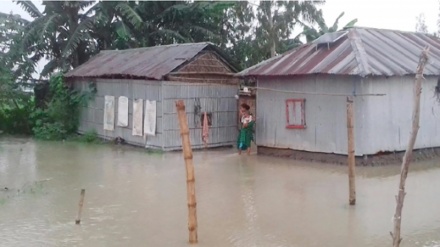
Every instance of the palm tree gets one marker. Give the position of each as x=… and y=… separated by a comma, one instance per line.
x=311, y=33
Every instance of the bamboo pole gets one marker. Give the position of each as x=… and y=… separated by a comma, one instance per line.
x=190, y=179
x=409, y=151
x=81, y=202
x=351, y=157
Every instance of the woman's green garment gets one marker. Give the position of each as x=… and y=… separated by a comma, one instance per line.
x=245, y=136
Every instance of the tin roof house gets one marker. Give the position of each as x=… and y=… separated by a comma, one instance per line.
x=137, y=90
x=302, y=94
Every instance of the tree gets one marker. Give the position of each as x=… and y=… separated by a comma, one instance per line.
x=13, y=58
x=409, y=151
x=15, y=70
x=16, y=67
x=68, y=33
x=158, y=23
x=421, y=25
x=311, y=33
x=277, y=19
x=238, y=38
x=61, y=33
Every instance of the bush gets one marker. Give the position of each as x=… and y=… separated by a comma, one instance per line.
x=56, y=120
x=61, y=117
x=50, y=131
x=15, y=120
x=89, y=137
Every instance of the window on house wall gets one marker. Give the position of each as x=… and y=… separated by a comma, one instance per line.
x=295, y=114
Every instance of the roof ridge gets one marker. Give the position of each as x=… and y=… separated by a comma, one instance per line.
x=159, y=46
x=359, y=52
x=386, y=29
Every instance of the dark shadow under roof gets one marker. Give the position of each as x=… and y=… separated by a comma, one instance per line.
x=149, y=63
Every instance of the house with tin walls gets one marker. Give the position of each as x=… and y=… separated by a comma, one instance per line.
x=300, y=114
x=137, y=90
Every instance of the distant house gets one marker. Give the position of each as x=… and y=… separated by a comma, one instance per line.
x=299, y=109
x=137, y=90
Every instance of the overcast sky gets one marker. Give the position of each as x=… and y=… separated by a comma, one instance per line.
x=387, y=14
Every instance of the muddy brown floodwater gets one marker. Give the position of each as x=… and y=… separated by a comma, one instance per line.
x=138, y=199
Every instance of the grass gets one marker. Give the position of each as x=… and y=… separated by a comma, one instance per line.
x=154, y=151
x=88, y=137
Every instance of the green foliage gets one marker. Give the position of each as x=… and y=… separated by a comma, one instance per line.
x=61, y=118
x=68, y=33
x=88, y=137
x=15, y=104
x=278, y=19
x=248, y=32
x=15, y=120
x=312, y=33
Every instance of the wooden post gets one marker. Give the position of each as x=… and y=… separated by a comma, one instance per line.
x=408, y=153
x=81, y=202
x=351, y=157
x=190, y=178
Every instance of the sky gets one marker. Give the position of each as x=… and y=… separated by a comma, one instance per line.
x=385, y=14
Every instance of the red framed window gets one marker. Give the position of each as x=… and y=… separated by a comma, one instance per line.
x=295, y=114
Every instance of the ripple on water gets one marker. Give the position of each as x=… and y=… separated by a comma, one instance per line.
x=134, y=199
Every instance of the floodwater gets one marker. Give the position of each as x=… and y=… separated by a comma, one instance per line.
x=135, y=198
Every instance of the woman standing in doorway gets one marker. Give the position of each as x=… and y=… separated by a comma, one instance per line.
x=245, y=136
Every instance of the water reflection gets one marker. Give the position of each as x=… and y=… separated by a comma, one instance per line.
x=138, y=199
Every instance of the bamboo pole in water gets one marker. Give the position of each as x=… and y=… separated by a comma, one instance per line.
x=81, y=202
x=351, y=152
x=408, y=153
x=190, y=178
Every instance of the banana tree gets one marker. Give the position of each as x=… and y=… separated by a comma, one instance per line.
x=12, y=58
x=61, y=33
x=277, y=20
x=311, y=33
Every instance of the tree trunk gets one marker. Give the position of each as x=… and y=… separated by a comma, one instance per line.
x=409, y=151
x=272, y=34
x=190, y=178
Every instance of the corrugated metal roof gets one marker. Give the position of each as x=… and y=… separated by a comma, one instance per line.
x=363, y=52
x=150, y=62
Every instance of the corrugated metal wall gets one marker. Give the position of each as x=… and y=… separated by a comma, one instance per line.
x=214, y=98
x=217, y=99
x=325, y=115
x=92, y=116
x=388, y=119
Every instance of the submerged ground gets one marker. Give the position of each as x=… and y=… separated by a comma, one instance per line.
x=138, y=199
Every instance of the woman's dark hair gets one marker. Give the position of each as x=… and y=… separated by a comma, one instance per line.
x=245, y=106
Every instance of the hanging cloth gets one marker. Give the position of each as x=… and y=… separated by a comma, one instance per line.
x=205, y=130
